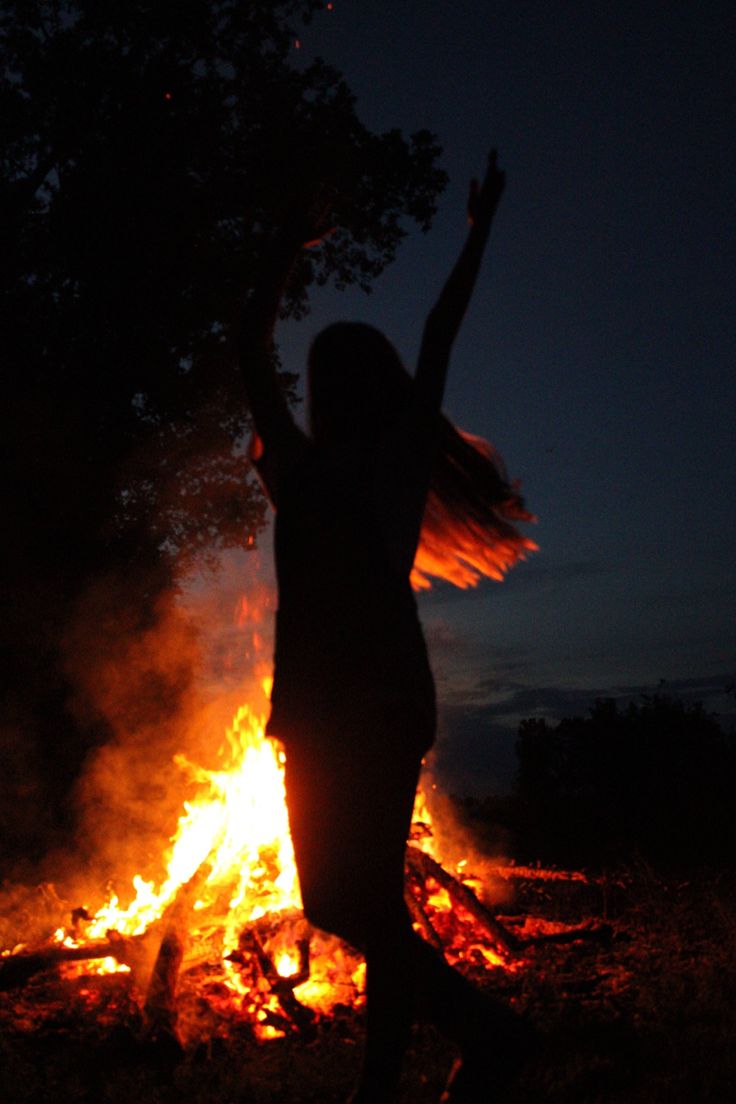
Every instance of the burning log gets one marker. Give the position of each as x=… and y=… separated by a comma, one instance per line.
x=414, y=887
x=137, y=951
x=17, y=969
x=159, y=1010
x=423, y=866
x=253, y=945
x=167, y=953
x=283, y=987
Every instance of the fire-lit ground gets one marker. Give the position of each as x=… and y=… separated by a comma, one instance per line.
x=215, y=988
x=645, y=1016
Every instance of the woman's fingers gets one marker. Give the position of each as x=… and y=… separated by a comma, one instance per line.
x=483, y=199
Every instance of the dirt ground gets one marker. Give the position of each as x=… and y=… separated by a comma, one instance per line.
x=641, y=1009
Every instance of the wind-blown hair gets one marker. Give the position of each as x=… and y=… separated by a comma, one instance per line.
x=357, y=385
x=467, y=529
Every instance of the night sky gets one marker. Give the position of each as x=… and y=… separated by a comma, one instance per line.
x=598, y=353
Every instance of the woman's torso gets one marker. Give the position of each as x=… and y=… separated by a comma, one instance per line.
x=349, y=645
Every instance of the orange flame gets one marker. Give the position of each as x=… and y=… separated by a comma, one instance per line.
x=230, y=864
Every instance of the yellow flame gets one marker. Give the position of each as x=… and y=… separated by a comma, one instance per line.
x=287, y=964
x=236, y=831
x=232, y=845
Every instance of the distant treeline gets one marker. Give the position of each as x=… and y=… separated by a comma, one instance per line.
x=655, y=780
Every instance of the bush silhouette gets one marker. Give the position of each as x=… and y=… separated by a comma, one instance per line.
x=654, y=780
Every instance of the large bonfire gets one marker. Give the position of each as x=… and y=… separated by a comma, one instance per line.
x=221, y=936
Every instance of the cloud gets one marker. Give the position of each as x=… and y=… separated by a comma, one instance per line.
x=475, y=752
x=556, y=702
x=535, y=573
x=451, y=636
x=544, y=572
x=459, y=663
x=687, y=687
x=552, y=701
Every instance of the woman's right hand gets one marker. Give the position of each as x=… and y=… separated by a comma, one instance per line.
x=319, y=219
x=306, y=223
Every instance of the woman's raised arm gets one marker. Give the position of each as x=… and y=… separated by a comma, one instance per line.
x=255, y=340
x=445, y=318
x=304, y=226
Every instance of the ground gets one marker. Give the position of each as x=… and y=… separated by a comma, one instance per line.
x=642, y=1010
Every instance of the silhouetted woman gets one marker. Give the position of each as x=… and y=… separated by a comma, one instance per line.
x=383, y=491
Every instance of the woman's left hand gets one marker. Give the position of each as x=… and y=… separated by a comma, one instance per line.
x=483, y=199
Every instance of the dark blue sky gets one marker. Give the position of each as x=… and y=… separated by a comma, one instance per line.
x=598, y=353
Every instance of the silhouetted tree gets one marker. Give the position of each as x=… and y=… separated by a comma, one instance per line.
x=148, y=151
x=655, y=779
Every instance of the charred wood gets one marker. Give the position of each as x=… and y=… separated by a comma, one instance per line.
x=253, y=942
x=137, y=951
x=597, y=933
x=159, y=1010
x=424, y=866
x=419, y=917
x=17, y=969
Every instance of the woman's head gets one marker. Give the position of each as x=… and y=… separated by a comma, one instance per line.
x=358, y=385
x=356, y=381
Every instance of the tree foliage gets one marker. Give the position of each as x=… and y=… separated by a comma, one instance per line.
x=152, y=149
x=149, y=149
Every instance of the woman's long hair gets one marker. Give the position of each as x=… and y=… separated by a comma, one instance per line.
x=357, y=383
x=467, y=528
